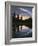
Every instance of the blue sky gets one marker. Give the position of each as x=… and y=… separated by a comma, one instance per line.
x=21, y=10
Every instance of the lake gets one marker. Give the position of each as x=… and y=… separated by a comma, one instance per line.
x=24, y=31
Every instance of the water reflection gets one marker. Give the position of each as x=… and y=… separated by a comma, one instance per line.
x=24, y=31
x=23, y=28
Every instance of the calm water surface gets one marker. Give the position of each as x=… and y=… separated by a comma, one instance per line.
x=24, y=31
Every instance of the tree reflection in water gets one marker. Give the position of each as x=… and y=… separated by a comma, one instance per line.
x=21, y=28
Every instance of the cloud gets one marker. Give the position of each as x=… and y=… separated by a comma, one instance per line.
x=25, y=10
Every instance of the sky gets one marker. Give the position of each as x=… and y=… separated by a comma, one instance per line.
x=26, y=11
x=23, y=17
